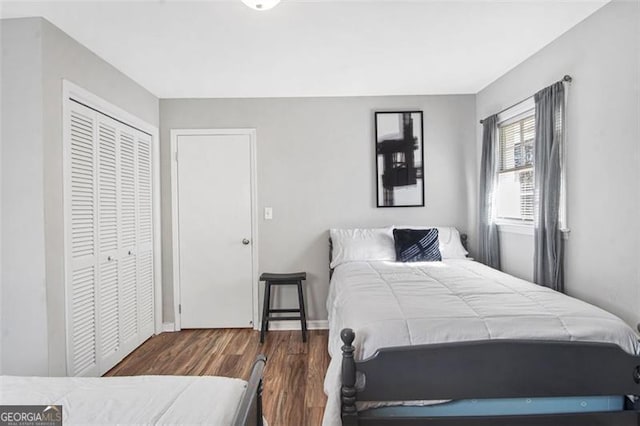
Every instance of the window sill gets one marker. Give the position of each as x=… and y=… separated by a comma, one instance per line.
x=524, y=228
x=515, y=227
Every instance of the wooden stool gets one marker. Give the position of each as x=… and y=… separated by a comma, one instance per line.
x=283, y=279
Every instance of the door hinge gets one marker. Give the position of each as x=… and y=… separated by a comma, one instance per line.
x=179, y=308
x=176, y=155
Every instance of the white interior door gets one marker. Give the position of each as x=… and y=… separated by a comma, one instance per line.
x=215, y=230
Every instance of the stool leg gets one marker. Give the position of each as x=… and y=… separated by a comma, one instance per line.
x=265, y=310
x=303, y=315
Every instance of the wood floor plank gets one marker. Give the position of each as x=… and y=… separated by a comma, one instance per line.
x=313, y=416
x=275, y=376
x=291, y=407
x=293, y=378
x=212, y=350
x=296, y=345
x=239, y=341
x=318, y=359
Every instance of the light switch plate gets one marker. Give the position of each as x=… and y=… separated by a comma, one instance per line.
x=268, y=213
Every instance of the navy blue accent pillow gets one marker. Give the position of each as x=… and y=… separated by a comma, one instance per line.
x=416, y=245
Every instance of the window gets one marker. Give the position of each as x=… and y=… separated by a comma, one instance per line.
x=515, y=192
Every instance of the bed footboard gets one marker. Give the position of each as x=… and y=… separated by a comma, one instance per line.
x=490, y=369
x=250, y=409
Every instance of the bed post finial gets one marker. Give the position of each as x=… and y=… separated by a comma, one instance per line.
x=464, y=239
x=348, y=336
x=348, y=391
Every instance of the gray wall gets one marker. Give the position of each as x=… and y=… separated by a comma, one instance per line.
x=603, y=154
x=516, y=254
x=316, y=169
x=23, y=310
x=65, y=58
x=56, y=57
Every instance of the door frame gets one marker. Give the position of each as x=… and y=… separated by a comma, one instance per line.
x=175, y=229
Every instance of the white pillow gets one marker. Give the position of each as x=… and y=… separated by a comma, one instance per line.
x=448, y=241
x=357, y=245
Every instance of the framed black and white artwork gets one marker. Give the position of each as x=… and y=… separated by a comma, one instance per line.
x=399, y=159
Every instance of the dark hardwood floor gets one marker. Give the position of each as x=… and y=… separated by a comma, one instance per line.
x=293, y=379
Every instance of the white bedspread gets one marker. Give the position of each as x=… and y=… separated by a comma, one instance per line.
x=395, y=304
x=130, y=400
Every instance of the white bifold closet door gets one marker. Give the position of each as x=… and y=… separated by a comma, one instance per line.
x=109, y=246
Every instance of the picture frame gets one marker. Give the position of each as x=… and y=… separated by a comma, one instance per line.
x=399, y=147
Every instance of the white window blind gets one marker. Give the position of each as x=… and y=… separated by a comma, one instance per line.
x=515, y=195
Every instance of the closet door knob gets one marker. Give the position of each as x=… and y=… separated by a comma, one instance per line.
x=130, y=252
x=245, y=241
x=109, y=258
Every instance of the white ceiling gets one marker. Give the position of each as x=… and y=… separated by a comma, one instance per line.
x=311, y=48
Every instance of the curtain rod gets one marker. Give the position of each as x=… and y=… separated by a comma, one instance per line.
x=566, y=78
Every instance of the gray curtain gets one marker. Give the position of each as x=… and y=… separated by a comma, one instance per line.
x=548, y=255
x=489, y=243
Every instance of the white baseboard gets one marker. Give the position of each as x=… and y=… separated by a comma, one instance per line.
x=275, y=325
x=168, y=327
x=295, y=325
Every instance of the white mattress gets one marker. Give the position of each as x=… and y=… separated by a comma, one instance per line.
x=130, y=400
x=397, y=304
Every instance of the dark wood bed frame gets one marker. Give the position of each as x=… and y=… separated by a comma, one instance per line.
x=490, y=369
x=250, y=409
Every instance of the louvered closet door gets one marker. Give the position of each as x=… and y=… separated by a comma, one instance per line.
x=145, y=236
x=108, y=333
x=129, y=329
x=109, y=240
x=82, y=248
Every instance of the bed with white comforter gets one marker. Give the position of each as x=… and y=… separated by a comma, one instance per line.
x=130, y=400
x=397, y=304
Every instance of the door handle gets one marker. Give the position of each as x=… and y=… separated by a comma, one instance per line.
x=245, y=241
